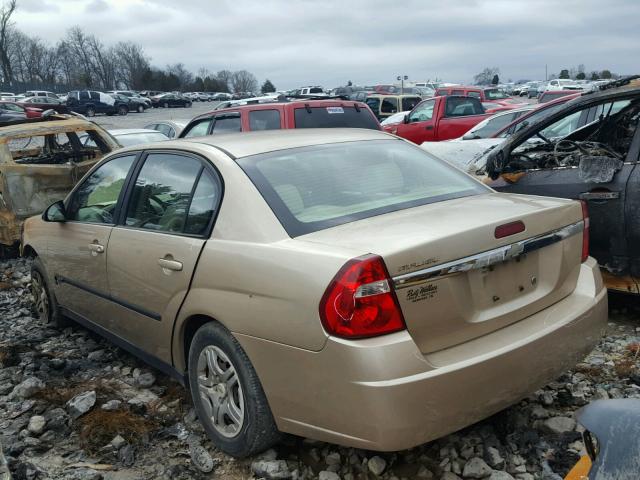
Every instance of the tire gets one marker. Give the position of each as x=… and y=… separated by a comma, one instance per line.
x=122, y=110
x=90, y=112
x=165, y=105
x=256, y=431
x=45, y=305
x=187, y=105
x=140, y=109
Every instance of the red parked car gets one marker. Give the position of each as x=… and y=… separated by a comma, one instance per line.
x=283, y=115
x=30, y=112
x=44, y=103
x=484, y=94
x=439, y=118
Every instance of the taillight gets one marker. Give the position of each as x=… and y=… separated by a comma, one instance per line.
x=360, y=301
x=585, y=231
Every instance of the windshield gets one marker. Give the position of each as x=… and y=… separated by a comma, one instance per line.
x=335, y=117
x=313, y=188
x=495, y=94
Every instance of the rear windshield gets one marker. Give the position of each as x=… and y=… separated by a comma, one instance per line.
x=314, y=188
x=495, y=94
x=335, y=117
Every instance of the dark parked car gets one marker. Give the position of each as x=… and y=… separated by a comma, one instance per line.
x=45, y=103
x=90, y=103
x=133, y=104
x=596, y=163
x=167, y=100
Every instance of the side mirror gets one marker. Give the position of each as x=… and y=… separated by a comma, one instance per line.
x=406, y=118
x=55, y=213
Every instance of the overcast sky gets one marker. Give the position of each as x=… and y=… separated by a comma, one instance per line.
x=328, y=42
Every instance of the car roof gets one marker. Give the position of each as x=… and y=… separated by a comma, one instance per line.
x=238, y=145
x=293, y=104
x=131, y=131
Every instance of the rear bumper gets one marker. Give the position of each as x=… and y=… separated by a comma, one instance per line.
x=383, y=394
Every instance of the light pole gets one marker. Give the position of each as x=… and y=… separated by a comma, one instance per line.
x=402, y=78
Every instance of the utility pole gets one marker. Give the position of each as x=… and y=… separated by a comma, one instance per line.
x=402, y=78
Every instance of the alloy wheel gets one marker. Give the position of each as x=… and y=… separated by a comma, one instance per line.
x=40, y=297
x=220, y=391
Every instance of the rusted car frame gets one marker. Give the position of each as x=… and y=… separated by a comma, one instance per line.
x=40, y=162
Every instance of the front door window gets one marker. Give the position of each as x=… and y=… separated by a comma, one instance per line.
x=96, y=199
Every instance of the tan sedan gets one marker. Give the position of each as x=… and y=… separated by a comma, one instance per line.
x=340, y=285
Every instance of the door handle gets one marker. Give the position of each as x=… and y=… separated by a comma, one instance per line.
x=429, y=127
x=170, y=264
x=96, y=248
x=603, y=195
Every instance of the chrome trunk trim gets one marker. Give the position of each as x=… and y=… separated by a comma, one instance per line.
x=488, y=258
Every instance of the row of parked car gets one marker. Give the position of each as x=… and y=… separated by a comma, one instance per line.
x=297, y=253
x=87, y=102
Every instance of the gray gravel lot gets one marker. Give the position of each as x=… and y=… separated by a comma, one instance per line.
x=140, y=120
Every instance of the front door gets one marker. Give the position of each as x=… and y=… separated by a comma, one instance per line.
x=152, y=255
x=421, y=125
x=77, y=247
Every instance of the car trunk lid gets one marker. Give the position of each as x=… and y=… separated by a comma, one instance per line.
x=454, y=279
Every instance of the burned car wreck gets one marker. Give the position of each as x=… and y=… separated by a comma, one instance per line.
x=596, y=163
x=40, y=162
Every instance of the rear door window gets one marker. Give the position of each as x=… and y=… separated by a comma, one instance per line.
x=264, y=120
x=389, y=105
x=161, y=196
x=84, y=95
x=227, y=124
x=335, y=117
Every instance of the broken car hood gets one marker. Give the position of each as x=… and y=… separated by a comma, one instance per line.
x=467, y=155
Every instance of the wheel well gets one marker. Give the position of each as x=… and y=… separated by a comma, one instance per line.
x=28, y=251
x=192, y=324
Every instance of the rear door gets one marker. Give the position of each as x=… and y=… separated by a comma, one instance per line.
x=421, y=123
x=152, y=253
x=606, y=199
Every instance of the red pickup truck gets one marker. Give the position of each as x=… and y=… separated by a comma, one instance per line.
x=491, y=94
x=439, y=118
x=283, y=115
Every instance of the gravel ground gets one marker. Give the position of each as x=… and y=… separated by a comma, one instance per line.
x=140, y=120
x=75, y=407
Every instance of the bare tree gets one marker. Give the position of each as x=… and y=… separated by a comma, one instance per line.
x=78, y=47
x=224, y=77
x=486, y=76
x=131, y=65
x=6, y=12
x=243, y=81
x=181, y=73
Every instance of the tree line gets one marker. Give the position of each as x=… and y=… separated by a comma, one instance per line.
x=81, y=60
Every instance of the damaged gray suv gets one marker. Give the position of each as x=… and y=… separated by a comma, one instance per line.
x=597, y=163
